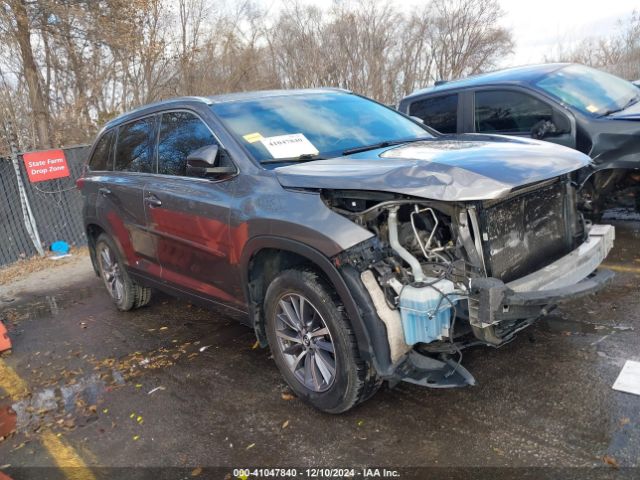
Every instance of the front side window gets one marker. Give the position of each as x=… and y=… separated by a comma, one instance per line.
x=180, y=134
x=134, y=152
x=589, y=90
x=440, y=113
x=504, y=111
x=102, y=158
x=312, y=125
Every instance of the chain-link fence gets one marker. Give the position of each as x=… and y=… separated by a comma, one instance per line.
x=56, y=206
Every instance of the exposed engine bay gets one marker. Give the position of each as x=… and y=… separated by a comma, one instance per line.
x=423, y=264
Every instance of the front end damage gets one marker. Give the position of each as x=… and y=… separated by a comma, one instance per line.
x=440, y=277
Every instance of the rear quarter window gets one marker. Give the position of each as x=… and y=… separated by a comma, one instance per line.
x=440, y=112
x=102, y=158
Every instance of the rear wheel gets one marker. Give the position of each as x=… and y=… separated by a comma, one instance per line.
x=124, y=292
x=313, y=344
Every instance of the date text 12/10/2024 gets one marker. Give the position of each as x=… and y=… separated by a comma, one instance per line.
x=307, y=473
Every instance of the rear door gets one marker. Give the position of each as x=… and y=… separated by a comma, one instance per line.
x=189, y=217
x=121, y=194
x=516, y=112
x=99, y=172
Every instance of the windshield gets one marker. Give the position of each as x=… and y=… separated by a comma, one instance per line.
x=590, y=91
x=312, y=125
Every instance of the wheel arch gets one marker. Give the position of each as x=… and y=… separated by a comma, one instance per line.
x=264, y=256
x=93, y=231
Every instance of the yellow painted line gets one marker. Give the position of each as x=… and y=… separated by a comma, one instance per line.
x=621, y=268
x=11, y=383
x=62, y=454
x=65, y=457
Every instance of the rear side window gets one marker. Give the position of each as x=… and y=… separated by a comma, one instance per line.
x=135, y=146
x=503, y=111
x=102, y=158
x=440, y=113
x=180, y=134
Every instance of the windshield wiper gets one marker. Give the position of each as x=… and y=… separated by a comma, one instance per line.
x=305, y=157
x=632, y=101
x=375, y=146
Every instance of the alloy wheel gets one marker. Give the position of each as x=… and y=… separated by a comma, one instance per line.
x=305, y=342
x=111, y=272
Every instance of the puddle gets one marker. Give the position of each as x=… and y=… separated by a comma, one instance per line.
x=49, y=406
x=558, y=324
x=45, y=305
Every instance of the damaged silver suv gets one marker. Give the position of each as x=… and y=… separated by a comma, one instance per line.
x=358, y=244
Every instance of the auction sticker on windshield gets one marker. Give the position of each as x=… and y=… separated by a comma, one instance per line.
x=289, y=146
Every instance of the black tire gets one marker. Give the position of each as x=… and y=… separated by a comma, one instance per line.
x=124, y=292
x=354, y=380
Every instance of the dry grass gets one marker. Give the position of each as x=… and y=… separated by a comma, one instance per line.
x=36, y=264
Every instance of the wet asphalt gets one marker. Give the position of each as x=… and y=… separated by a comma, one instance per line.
x=176, y=385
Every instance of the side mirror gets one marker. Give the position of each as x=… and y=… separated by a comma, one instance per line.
x=205, y=161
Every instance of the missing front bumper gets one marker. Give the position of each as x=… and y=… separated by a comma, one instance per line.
x=494, y=304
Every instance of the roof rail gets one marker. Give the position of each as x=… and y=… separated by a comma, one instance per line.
x=193, y=98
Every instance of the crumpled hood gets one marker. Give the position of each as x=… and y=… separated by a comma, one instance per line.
x=448, y=168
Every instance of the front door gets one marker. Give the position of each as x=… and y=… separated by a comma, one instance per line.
x=517, y=113
x=189, y=217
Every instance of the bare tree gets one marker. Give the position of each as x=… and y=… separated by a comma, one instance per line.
x=80, y=62
x=18, y=22
x=618, y=53
x=465, y=37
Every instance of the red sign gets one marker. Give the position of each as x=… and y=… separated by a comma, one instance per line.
x=46, y=165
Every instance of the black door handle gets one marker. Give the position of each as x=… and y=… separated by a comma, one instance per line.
x=153, y=201
x=104, y=191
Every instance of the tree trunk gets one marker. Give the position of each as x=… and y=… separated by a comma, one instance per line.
x=30, y=70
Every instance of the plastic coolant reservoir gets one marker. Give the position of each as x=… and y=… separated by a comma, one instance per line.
x=420, y=320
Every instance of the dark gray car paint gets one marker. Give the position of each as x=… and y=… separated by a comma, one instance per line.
x=282, y=208
x=450, y=168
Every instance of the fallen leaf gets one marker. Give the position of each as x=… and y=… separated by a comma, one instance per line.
x=251, y=446
x=285, y=424
x=105, y=410
x=624, y=421
x=136, y=437
x=93, y=408
x=164, y=328
x=287, y=396
x=132, y=415
x=612, y=462
x=196, y=471
x=255, y=345
x=360, y=423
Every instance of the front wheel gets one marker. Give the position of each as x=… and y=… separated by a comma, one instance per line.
x=313, y=344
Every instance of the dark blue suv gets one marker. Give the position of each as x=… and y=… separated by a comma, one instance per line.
x=568, y=104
